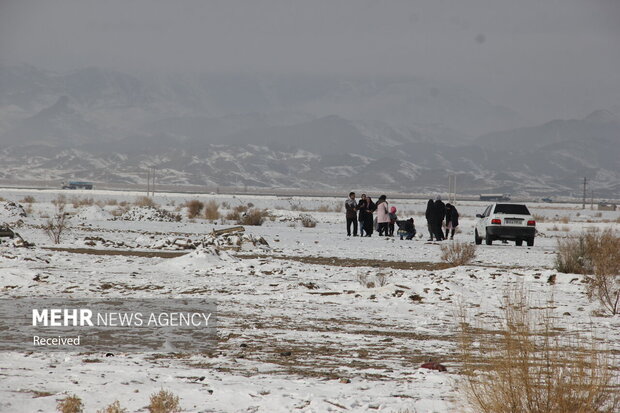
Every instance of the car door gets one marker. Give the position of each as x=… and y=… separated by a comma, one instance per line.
x=481, y=223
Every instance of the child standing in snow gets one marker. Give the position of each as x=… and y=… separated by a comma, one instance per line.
x=393, y=219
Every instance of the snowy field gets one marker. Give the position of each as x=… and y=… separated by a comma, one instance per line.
x=316, y=322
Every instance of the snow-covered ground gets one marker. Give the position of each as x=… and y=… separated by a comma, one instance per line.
x=318, y=322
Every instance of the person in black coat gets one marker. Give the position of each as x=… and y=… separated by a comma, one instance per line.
x=430, y=212
x=439, y=213
x=362, y=207
x=368, y=220
x=452, y=220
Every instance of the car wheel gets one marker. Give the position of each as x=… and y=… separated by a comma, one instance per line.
x=488, y=240
x=519, y=242
x=477, y=239
x=530, y=242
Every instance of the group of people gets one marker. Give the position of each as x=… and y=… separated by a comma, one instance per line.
x=436, y=213
x=362, y=212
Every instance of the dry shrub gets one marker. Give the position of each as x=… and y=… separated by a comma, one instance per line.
x=254, y=216
x=111, y=202
x=56, y=225
x=308, y=221
x=566, y=229
x=565, y=219
x=458, y=253
x=525, y=364
x=598, y=215
x=555, y=228
x=297, y=207
x=237, y=213
x=596, y=255
x=28, y=199
x=78, y=202
x=163, y=402
x=324, y=208
x=113, y=408
x=212, y=211
x=144, y=201
x=194, y=207
x=538, y=218
x=70, y=404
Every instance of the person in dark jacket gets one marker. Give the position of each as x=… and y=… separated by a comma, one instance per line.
x=439, y=214
x=350, y=207
x=368, y=220
x=430, y=212
x=362, y=207
x=452, y=220
x=406, y=228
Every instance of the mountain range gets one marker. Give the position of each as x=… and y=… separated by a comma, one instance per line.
x=399, y=134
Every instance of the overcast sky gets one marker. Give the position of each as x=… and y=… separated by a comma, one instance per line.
x=543, y=58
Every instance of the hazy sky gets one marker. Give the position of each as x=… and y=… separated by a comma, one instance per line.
x=544, y=58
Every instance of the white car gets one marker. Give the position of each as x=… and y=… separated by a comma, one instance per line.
x=503, y=221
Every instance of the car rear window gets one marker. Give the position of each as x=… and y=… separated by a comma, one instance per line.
x=511, y=209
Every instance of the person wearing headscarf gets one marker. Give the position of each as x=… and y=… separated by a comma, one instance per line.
x=430, y=214
x=452, y=220
x=439, y=214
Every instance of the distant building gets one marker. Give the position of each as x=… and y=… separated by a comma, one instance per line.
x=495, y=197
x=77, y=185
x=604, y=206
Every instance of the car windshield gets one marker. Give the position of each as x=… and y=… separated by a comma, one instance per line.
x=511, y=209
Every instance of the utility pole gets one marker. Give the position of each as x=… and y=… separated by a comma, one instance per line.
x=592, y=199
x=153, y=186
x=452, y=188
x=583, y=206
x=148, y=182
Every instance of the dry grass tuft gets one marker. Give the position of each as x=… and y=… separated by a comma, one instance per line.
x=70, y=404
x=144, y=201
x=253, y=216
x=194, y=207
x=524, y=365
x=308, y=221
x=458, y=253
x=113, y=408
x=78, y=202
x=565, y=219
x=163, y=402
x=28, y=199
x=212, y=211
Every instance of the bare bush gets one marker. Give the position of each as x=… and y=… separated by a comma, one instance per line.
x=307, y=221
x=212, y=211
x=596, y=255
x=163, y=402
x=254, y=216
x=458, y=253
x=78, y=202
x=524, y=364
x=194, y=208
x=144, y=201
x=538, y=218
x=58, y=223
x=28, y=199
x=323, y=208
x=113, y=408
x=565, y=219
x=70, y=404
